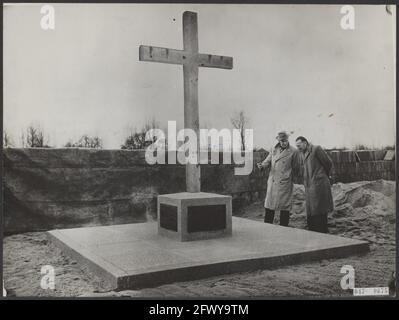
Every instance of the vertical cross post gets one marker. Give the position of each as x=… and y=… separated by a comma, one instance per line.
x=191, y=112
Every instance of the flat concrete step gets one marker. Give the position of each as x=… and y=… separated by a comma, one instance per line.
x=132, y=256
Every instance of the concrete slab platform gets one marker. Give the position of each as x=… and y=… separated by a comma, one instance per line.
x=132, y=256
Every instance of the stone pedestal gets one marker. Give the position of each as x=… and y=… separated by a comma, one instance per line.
x=187, y=216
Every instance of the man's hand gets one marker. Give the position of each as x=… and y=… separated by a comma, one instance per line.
x=259, y=165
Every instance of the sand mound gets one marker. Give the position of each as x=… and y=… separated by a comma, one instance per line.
x=379, y=194
x=362, y=209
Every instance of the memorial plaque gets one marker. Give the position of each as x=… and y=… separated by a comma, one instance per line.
x=168, y=217
x=206, y=218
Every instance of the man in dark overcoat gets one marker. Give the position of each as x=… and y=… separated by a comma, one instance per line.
x=316, y=172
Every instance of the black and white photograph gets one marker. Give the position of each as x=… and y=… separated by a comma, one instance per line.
x=190, y=151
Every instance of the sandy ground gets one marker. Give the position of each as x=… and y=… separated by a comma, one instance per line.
x=363, y=210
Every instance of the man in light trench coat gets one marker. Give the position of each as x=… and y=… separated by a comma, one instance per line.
x=316, y=171
x=284, y=163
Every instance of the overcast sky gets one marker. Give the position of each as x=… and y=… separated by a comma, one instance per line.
x=295, y=68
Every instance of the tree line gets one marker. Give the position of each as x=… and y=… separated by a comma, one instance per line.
x=35, y=137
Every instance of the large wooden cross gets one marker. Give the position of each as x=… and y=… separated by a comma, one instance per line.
x=191, y=59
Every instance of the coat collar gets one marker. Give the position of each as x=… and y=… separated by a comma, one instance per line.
x=286, y=152
x=309, y=151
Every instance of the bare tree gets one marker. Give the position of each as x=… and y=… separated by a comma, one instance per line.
x=136, y=139
x=7, y=140
x=86, y=141
x=34, y=138
x=239, y=121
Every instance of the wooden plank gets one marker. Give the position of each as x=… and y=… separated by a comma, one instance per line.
x=190, y=32
x=172, y=56
x=191, y=112
x=214, y=61
x=162, y=55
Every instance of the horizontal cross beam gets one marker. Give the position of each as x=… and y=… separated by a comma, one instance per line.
x=173, y=56
x=214, y=61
